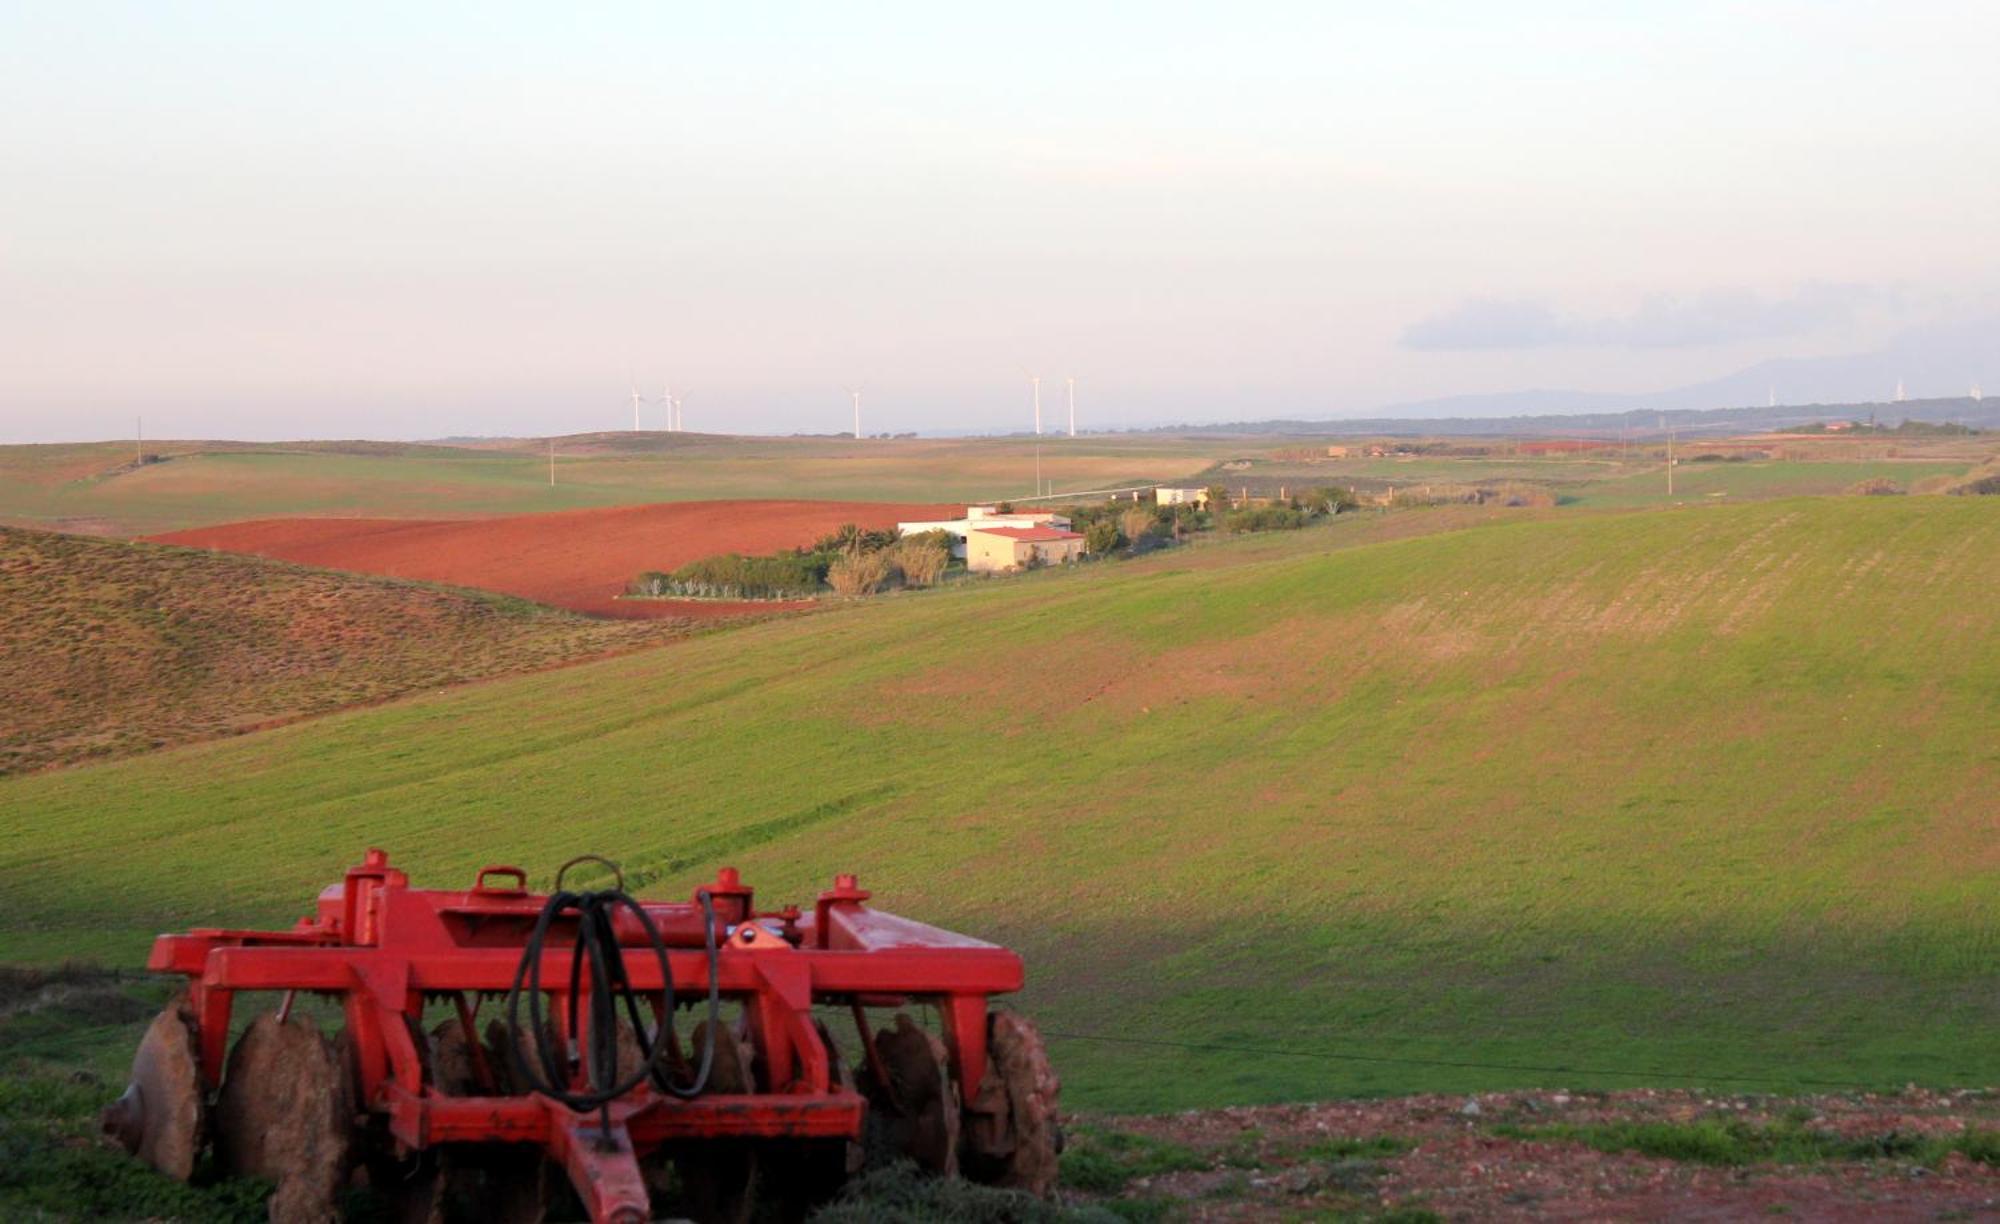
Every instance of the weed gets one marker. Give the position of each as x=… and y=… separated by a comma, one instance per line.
x=1344, y=1148
x=1105, y=1161
x=902, y=1194
x=1717, y=1141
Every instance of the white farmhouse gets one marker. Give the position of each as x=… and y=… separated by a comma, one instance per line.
x=977, y=517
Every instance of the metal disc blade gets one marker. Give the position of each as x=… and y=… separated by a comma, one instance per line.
x=283, y=1115
x=163, y=1116
x=1013, y=1126
x=717, y=1176
x=921, y=1096
x=501, y=1183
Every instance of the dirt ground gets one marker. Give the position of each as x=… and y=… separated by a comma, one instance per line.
x=576, y=559
x=1493, y=1157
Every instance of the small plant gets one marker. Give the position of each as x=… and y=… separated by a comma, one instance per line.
x=1717, y=1141
x=1347, y=1148
x=901, y=1194
x=1104, y=1162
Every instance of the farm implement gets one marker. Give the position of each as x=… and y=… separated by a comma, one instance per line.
x=579, y=1069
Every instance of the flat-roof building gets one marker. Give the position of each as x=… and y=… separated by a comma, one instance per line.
x=990, y=549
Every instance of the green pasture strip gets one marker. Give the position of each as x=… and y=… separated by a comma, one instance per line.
x=1700, y=795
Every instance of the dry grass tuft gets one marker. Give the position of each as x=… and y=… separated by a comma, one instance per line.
x=859, y=573
x=922, y=561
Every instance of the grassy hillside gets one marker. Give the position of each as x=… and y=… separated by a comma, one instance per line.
x=1577, y=800
x=96, y=487
x=108, y=648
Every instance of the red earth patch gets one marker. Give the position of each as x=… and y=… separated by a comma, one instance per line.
x=576, y=559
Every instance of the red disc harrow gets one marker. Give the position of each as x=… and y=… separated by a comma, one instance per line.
x=579, y=1067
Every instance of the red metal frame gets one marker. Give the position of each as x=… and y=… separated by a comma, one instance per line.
x=385, y=949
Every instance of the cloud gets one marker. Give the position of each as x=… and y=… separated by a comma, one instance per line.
x=1717, y=316
x=1486, y=323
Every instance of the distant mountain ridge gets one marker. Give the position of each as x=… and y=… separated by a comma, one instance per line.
x=1964, y=410
x=1965, y=354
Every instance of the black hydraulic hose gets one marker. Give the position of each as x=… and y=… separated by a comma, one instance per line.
x=610, y=984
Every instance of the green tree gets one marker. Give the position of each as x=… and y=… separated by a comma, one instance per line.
x=1101, y=536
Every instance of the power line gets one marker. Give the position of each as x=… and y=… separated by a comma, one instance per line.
x=1344, y=1056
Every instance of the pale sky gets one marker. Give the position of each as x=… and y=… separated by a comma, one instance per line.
x=403, y=220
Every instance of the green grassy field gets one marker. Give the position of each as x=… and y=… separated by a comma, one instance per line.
x=93, y=487
x=1605, y=480
x=1570, y=798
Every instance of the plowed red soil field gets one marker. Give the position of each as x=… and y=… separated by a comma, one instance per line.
x=576, y=559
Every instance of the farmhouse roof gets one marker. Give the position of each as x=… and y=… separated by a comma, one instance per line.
x=1037, y=535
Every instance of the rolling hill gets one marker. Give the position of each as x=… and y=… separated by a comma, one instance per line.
x=1689, y=796
x=98, y=488
x=109, y=648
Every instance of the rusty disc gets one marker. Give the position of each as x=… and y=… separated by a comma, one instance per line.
x=1013, y=1130
x=283, y=1115
x=507, y=1183
x=717, y=1176
x=841, y=1076
x=814, y=1169
x=163, y=1116
x=921, y=1104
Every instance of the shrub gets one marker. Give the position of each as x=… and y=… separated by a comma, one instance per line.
x=922, y=560
x=1263, y=518
x=1875, y=486
x=1136, y=523
x=1101, y=536
x=1435, y=495
x=1506, y=493
x=789, y=575
x=1515, y=493
x=851, y=538
x=858, y=573
x=1332, y=499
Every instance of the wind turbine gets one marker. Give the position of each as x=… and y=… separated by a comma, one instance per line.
x=1036, y=382
x=637, y=399
x=1072, y=407
x=855, y=393
x=667, y=398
